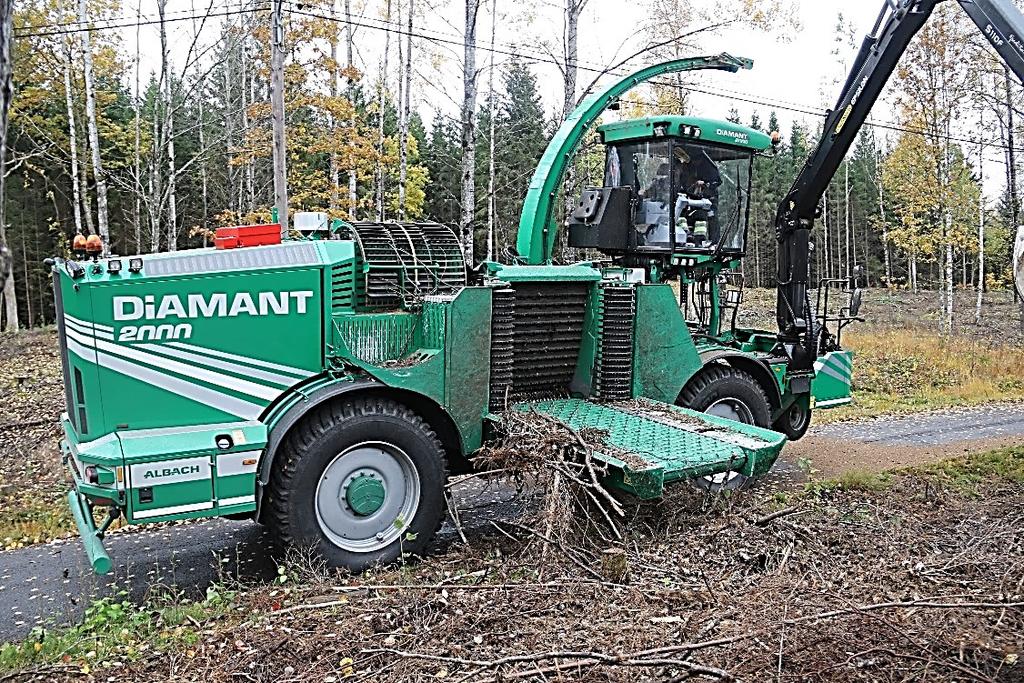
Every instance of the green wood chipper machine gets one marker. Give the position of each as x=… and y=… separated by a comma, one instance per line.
x=327, y=385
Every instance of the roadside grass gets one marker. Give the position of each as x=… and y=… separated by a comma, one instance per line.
x=965, y=475
x=914, y=370
x=115, y=632
x=34, y=516
x=969, y=473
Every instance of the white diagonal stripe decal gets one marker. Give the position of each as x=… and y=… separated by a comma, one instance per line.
x=193, y=392
x=85, y=353
x=264, y=375
x=216, y=378
x=208, y=397
x=87, y=324
x=243, y=359
x=82, y=329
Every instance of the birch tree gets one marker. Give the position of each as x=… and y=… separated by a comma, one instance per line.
x=382, y=89
x=167, y=95
x=469, y=88
x=403, y=114
x=10, y=307
x=94, y=133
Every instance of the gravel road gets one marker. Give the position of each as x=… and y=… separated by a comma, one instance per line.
x=50, y=584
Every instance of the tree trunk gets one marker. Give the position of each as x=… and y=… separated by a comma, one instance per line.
x=846, y=207
x=981, y=234
x=573, y=10
x=6, y=95
x=155, y=189
x=203, y=176
x=69, y=103
x=94, y=133
x=469, y=131
x=349, y=49
x=137, y=166
x=1011, y=162
x=277, y=114
x=381, y=102
x=335, y=173
x=885, y=228
x=403, y=125
x=167, y=92
x=490, y=138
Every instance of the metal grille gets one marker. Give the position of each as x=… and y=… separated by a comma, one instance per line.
x=503, y=310
x=343, y=287
x=408, y=260
x=547, y=332
x=613, y=379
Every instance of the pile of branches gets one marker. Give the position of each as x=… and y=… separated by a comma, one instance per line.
x=542, y=454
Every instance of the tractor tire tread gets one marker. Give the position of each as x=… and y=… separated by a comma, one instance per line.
x=714, y=374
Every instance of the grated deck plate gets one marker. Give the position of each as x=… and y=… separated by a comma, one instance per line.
x=665, y=443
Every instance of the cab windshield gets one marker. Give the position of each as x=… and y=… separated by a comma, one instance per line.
x=696, y=193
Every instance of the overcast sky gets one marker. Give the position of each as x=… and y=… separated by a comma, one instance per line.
x=799, y=72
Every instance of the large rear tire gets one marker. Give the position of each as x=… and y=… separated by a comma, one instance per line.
x=726, y=392
x=360, y=482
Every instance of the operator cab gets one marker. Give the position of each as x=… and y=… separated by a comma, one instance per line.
x=673, y=185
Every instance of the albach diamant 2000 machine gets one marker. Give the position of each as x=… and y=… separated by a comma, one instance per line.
x=327, y=385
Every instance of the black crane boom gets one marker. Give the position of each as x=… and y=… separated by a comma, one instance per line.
x=897, y=24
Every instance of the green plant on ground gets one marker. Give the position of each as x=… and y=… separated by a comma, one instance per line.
x=114, y=631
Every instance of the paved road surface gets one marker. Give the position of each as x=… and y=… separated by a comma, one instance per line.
x=934, y=429
x=51, y=583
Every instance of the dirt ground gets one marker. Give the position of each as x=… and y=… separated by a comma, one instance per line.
x=918, y=577
x=31, y=475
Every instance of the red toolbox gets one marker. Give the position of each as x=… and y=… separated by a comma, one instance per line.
x=247, y=236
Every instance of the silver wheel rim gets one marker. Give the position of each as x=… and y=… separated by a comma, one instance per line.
x=737, y=411
x=346, y=528
x=732, y=409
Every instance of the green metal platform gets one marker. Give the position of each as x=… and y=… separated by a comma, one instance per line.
x=651, y=444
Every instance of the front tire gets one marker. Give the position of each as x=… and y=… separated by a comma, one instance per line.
x=726, y=392
x=795, y=422
x=359, y=481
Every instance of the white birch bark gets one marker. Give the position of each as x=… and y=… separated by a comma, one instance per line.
x=76, y=181
x=137, y=159
x=981, y=235
x=94, y=134
x=469, y=82
x=349, y=49
x=381, y=101
x=6, y=94
x=403, y=124
x=167, y=92
x=490, y=137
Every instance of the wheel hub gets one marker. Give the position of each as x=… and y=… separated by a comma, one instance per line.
x=365, y=495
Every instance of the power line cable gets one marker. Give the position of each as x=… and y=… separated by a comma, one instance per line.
x=132, y=24
x=748, y=99
x=517, y=54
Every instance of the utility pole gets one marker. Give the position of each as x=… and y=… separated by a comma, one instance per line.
x=277, y=114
